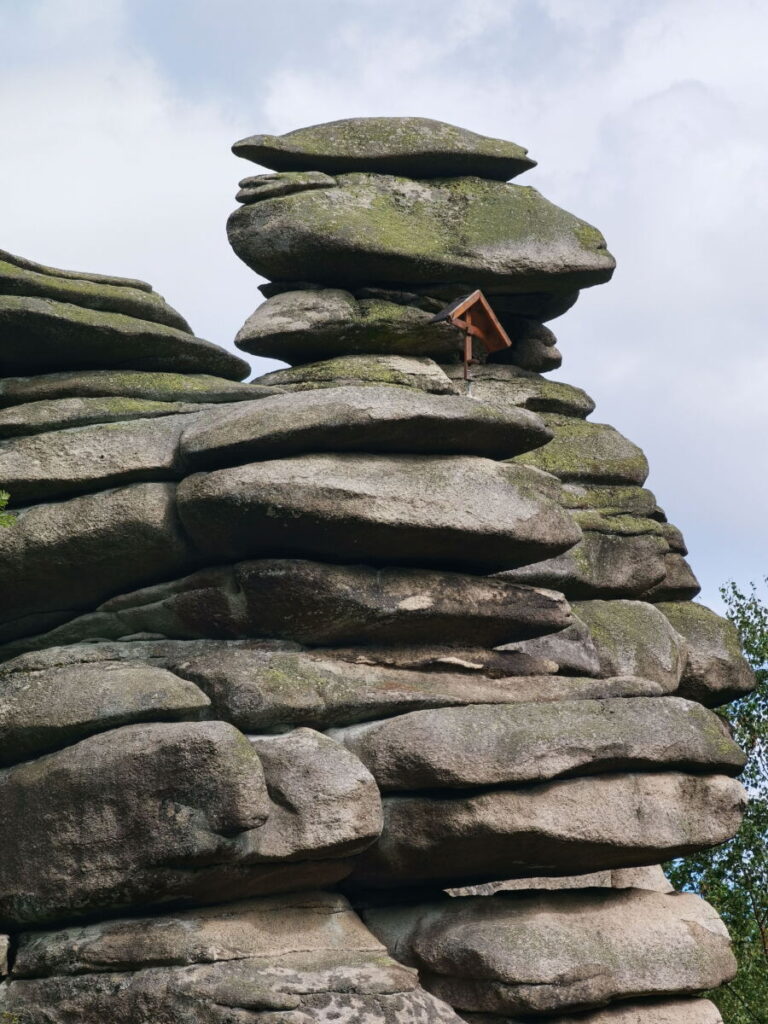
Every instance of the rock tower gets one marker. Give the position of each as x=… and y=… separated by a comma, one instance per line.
x=362, y=693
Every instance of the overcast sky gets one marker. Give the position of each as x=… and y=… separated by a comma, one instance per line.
x=649, y=119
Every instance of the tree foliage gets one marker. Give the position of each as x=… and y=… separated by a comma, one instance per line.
x=6, y=518
x=734, y=877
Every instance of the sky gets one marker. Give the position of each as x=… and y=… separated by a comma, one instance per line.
x=649, y=119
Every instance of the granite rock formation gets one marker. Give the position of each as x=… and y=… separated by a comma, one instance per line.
x=361, y=693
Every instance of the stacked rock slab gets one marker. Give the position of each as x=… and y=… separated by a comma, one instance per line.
x=360, y=693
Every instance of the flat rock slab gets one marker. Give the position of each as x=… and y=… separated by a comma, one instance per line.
x=678, y=584
x=123, y=817
x=503, y=386
x=61, y=557
x=587, y=452
x=413, y=146
x=355, y=419
x=456, y=511
x=110, y=298
x=385, y=230
x=126, y=384
x=572, y=650
x=562, y=827
x=48, y=709
x=634, y=638
x=610, y=500
x=305, y=326
x=268, y=186
x=488, y=745
x=44, y=335
x=64, y=413
x=417, y=372
x=647, y=1011
x=715, y=670
x=61, y=463
x=537, y=954
x=315, y=603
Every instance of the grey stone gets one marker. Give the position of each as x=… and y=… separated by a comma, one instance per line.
x=311, y=602
x=325, y=803
x=108, y=297
x=78, y=275
x=131, y=815
x=412, y=146
x=716, y=670
x=347, y=419
x=124, y=384
x=511, y=385
x=678, y=584
x=531, y=353
x=588, y=452
x=62, y=463
x=269, y=186
x=610, y=501
x=5, y=945
x=406, y=371
x=377, y=229
x=44, y=335
x=537, y=954
x=64, y=413
x=461, y=659
x=646, y=1011
x=651, y=877
x=60, y=558
x=457, y=511
x=572, y=649
x=490, y=745
x=601, y=565
x=47, y=709
x=563, y=827
x=633, y=638
x=304, y=326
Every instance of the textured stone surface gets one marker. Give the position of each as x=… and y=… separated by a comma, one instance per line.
x=66, y=462
x=406, y=371
x=651, y=877
x=62, y=557
x=646, y=1011
x=304, y=326
x=633, y=638
x=365, y=419
x=65, y=413
x=489, y=745
x=533, y=354
x=315, y=603
x=268, y=186
x=381, y=229
x=572, y=649
x=125, y=384
x=563, y=827
x=537, y=954
x=715, y=670
x=457, y=511
x=414, y=146
x=47, y=709
x=678, y=584
x=588, y=452
x=510, y=385
x=43, y=335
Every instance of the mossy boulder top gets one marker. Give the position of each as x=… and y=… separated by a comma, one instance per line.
x=413, y=146
x=374, y=228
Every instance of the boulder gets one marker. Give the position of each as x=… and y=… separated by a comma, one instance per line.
x=572, y=649
x=304, y=326
x=587, y=452
x=651, y=877
x=131, y=815
x=122, y=297
x=189, y=388
x=715, y=670
x=348, y=419
x=601, y=565
x=611, y=501
x=417, y=147
x=315, y=603
x=633, y=638
x=646, y=1011
x=48, y=709
x=539, y=954
x=276, y=960
x=64, y=413
x=505, y=385
x=457, y=511
x=414, y=372
x=533, y=354
x=269, y=186
x=62, y=463
x=491, y=745
x=44, y=335
x=378, y=229
x=563, y=827
x=61, y=557
x=678, y=584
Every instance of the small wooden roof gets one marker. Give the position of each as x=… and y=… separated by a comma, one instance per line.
x=474, y=315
